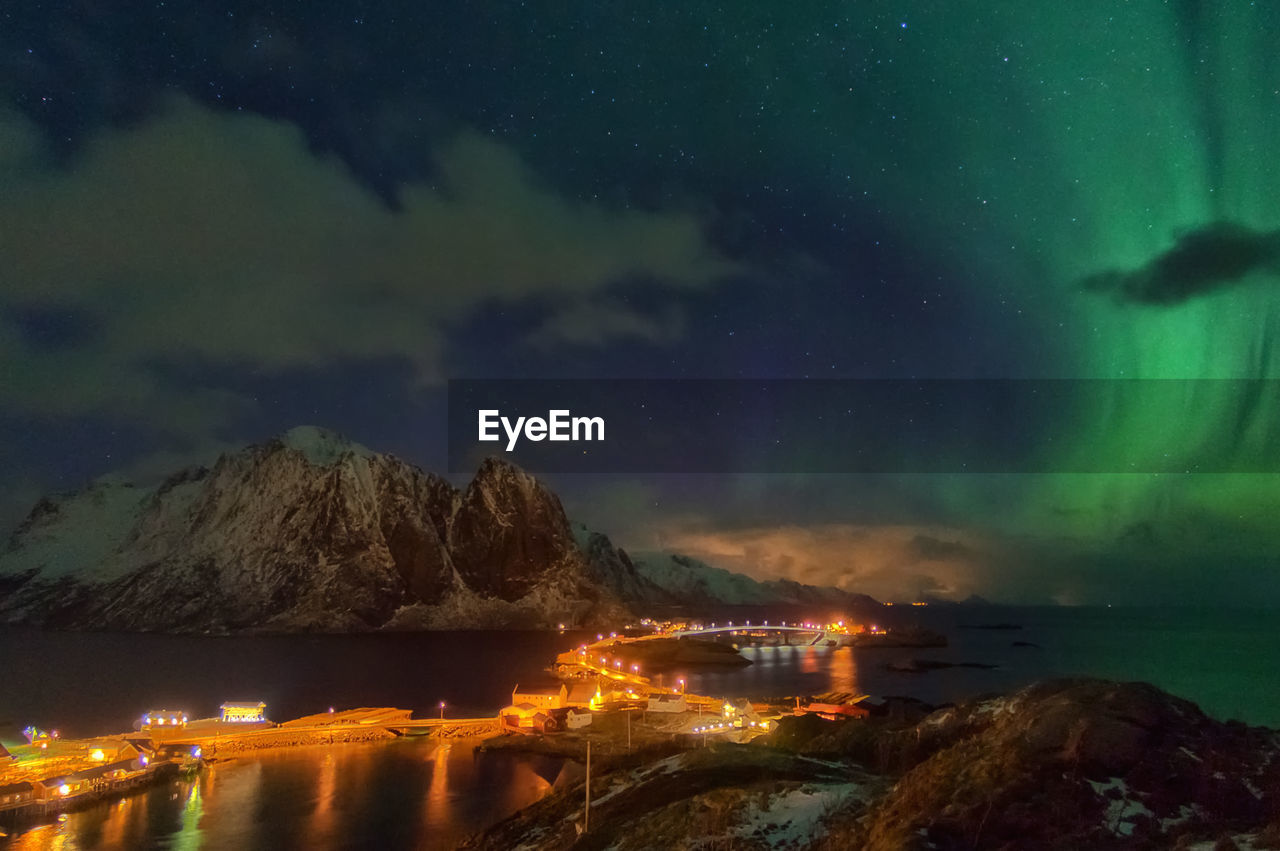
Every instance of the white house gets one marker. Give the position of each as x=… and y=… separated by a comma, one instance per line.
x=244, y=712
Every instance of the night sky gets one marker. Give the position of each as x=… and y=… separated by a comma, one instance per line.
x=218, y=223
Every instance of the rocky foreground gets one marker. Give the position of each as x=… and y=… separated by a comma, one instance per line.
x=1066, y=764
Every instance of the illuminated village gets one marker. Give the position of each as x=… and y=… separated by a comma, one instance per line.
x=611, y=691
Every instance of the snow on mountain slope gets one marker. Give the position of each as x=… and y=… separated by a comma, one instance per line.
x=613, y=568
x=305, y=532
x=692, y=582
x=101, y=514
x=322, y=446
x=310, y=531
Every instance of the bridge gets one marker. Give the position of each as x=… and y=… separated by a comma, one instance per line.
x=818, y=632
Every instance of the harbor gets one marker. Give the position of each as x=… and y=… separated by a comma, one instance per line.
x=438, y=788
x=49, y=774
x=597, y=692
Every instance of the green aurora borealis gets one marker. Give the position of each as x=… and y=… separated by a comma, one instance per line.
x=881, y=189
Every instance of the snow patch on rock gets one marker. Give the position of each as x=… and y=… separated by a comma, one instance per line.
x=321, y=446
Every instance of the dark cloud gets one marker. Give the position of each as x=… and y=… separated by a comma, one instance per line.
x=201, y=236
x=930, y=548
x=586, y=323
x=1202, y=261
x=45, y=328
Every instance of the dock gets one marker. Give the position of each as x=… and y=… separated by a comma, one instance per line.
x=347, y=726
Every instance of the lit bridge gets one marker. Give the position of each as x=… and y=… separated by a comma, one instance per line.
x=818, y=632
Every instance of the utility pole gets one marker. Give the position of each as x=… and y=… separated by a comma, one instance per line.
x=586, y=810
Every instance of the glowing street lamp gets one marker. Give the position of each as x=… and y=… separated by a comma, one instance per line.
x=442, y=710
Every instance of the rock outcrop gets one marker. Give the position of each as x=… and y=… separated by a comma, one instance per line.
x=1065, y=764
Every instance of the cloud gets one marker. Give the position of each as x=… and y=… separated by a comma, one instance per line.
x=930, y=548
x=597, y=323
x=222, y=239
x=1202, y=261
x=892, y=562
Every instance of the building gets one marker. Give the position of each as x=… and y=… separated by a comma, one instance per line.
x=576, y=719
x=741, y=712
x=105, y=750
x=581, y=694
x=244, y=712
x=521, y=716
x=38, y=737
x=98, y=779
x=551, y=694
x=166, y=718
x=17, y=795
x=527, y=718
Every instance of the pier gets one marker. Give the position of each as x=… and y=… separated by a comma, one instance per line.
x=351, y=725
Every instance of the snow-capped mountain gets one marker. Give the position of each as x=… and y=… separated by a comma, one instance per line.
x=306, y=532
x=311, y=531
x=694, y=583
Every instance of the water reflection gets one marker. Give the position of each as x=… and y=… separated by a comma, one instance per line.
x=780, y=671
x=809, y=662
x=188, y=835
x=410, y=793
x=843, y=670
x=320, y=825
x=406, y=794
x=437, y=811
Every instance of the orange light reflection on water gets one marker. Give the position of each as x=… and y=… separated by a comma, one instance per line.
x=843, y=670
x=314, y=797
x=809, y=661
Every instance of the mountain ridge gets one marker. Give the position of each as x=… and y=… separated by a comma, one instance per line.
x=310, y=531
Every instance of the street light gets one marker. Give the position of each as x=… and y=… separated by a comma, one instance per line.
x=442, y=710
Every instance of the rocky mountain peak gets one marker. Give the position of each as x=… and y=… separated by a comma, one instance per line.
x=312, y=531
x=308, y=531
x=509, y=530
